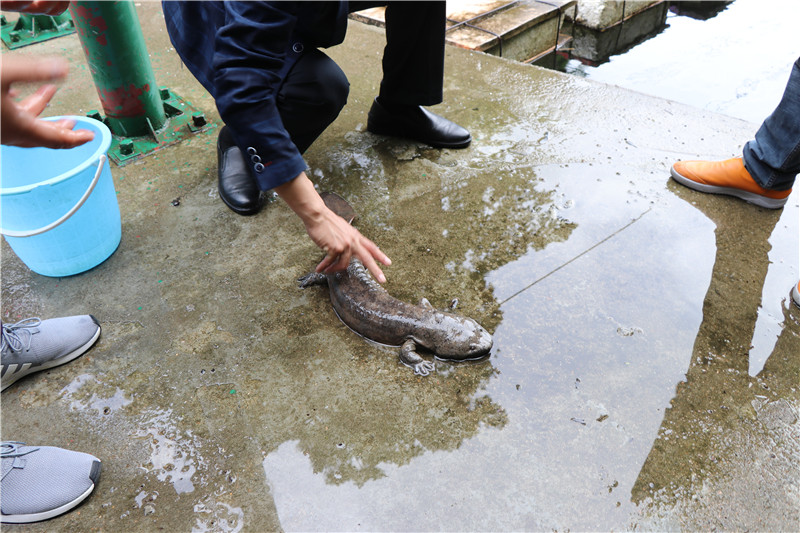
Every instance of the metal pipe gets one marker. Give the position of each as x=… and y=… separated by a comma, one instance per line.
x=113, y=42
x=558, y=30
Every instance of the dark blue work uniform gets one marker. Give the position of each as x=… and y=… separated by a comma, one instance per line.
x=272, y=86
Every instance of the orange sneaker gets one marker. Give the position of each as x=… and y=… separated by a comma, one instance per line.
x=796, y=294
x=727, y=177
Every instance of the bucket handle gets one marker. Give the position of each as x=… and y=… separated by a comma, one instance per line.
x=30, y=233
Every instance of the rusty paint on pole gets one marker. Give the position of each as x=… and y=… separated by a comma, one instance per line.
x=112, y=39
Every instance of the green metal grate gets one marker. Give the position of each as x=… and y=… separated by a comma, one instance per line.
x=30, y=29
x=183, y=120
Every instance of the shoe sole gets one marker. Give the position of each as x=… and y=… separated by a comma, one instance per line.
x=403, y=135
x=747, y=196
x=52, y=513
x=16, y=372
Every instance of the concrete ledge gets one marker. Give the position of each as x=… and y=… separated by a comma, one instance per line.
x=521, y=30
x=603, y=14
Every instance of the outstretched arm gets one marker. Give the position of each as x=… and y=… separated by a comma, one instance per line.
x=329, y=231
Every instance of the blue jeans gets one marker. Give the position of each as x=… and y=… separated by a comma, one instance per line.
x=773, y=157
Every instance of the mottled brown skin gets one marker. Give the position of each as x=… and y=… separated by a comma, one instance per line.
x=369, y=310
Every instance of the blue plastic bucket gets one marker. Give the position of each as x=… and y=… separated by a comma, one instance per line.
x=58, y=208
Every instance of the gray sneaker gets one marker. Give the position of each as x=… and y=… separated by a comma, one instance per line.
x=40, y=482
x=32, y=345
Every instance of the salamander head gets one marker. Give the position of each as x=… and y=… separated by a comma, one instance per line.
x=462, y=338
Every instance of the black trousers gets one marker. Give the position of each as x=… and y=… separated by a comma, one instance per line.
x=316, y=89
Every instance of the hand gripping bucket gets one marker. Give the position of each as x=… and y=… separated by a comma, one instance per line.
x=58, y=208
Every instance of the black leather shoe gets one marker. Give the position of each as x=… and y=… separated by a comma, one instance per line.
x=237, y=187
x=419, y=124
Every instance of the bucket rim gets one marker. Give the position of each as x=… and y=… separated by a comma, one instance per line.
x=105, y=144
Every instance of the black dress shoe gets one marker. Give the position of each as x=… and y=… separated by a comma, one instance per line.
x=237, y=187
x=417, y=123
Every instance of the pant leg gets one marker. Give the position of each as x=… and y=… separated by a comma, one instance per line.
x=312, y=95
x=413, y=60
x=773, y=157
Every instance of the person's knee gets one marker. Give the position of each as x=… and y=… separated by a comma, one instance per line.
x=333, y=88
x=311, y=98
x=317, y=85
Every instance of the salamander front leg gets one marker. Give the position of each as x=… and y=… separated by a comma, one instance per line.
x=409, y=356
x=313, y=278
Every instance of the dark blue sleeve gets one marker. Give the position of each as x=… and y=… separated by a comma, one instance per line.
x=241, y=51
x=250, y=59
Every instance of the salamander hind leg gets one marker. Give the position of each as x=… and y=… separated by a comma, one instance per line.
x=409, y=357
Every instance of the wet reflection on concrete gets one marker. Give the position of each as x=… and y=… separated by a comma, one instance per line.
x=729, y=441
x=581, y=389
x=770, y=323
x=568, y=376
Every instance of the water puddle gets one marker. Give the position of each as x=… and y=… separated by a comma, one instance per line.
x=174, y=454
x=87, y=392
x=784, y=266
x=697, y=63
x=220, y=517
x=596, y=289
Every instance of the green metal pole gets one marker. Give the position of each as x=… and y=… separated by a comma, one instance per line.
x=115, y=50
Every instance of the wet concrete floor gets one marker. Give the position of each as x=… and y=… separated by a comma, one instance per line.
x=646, y=368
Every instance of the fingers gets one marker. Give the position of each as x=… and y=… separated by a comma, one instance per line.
x=56, y=136
x=67, y=123
x=367, y=252
x=376, y=252
x=341, y=242
x=373, y=253
x=330, y=265
x=36, y=102
x=334, y=262
x=26, y=69
x=374, y=269
x=52, y=135
x=329, y=259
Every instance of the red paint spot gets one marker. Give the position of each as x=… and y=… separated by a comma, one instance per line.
x=81, y=13
x=124, y=101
